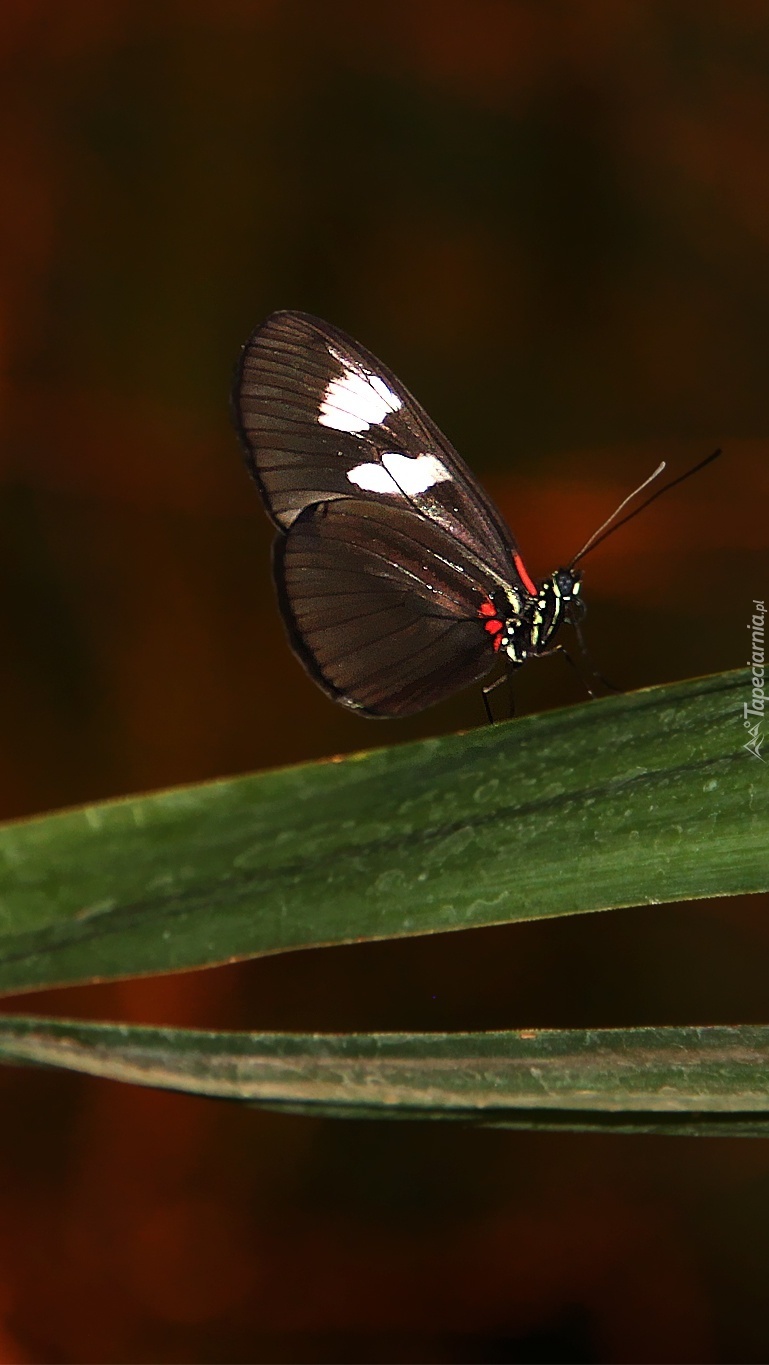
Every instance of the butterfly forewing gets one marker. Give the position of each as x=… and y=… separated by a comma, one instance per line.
x=322, y=419
x=381, y=607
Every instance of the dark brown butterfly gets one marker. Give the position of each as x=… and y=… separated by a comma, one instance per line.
x=397, y=578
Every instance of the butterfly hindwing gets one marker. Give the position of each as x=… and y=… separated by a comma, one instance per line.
x=381, y=607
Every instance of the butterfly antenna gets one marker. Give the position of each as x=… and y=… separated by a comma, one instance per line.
x=608, y=529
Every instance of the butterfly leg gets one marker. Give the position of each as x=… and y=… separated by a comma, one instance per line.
x=583, y=649
x=507, y=677
x=560, y=649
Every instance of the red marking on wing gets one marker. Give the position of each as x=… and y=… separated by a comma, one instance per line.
x=492, y=623
x=528, y=584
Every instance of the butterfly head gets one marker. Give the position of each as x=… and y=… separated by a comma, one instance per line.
x=568, y=582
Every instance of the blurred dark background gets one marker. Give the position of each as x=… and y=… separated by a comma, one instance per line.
x=553, y=222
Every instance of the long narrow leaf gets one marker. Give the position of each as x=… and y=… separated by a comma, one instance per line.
x=646, y=1079
x=643, y=798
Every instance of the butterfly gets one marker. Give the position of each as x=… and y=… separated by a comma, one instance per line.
x=397, y=578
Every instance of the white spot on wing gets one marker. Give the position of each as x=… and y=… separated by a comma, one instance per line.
x=356, y=400
x=399, y=474
x=373, y=478
x=415, y=475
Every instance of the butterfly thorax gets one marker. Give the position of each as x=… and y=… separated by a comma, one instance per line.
x=530, y=621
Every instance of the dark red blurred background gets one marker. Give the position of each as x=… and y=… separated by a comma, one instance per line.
x=553, y=223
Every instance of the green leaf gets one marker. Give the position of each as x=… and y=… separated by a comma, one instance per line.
x=632, y=1080
x=642, y=798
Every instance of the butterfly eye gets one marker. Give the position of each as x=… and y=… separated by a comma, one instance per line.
x=568, y=584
